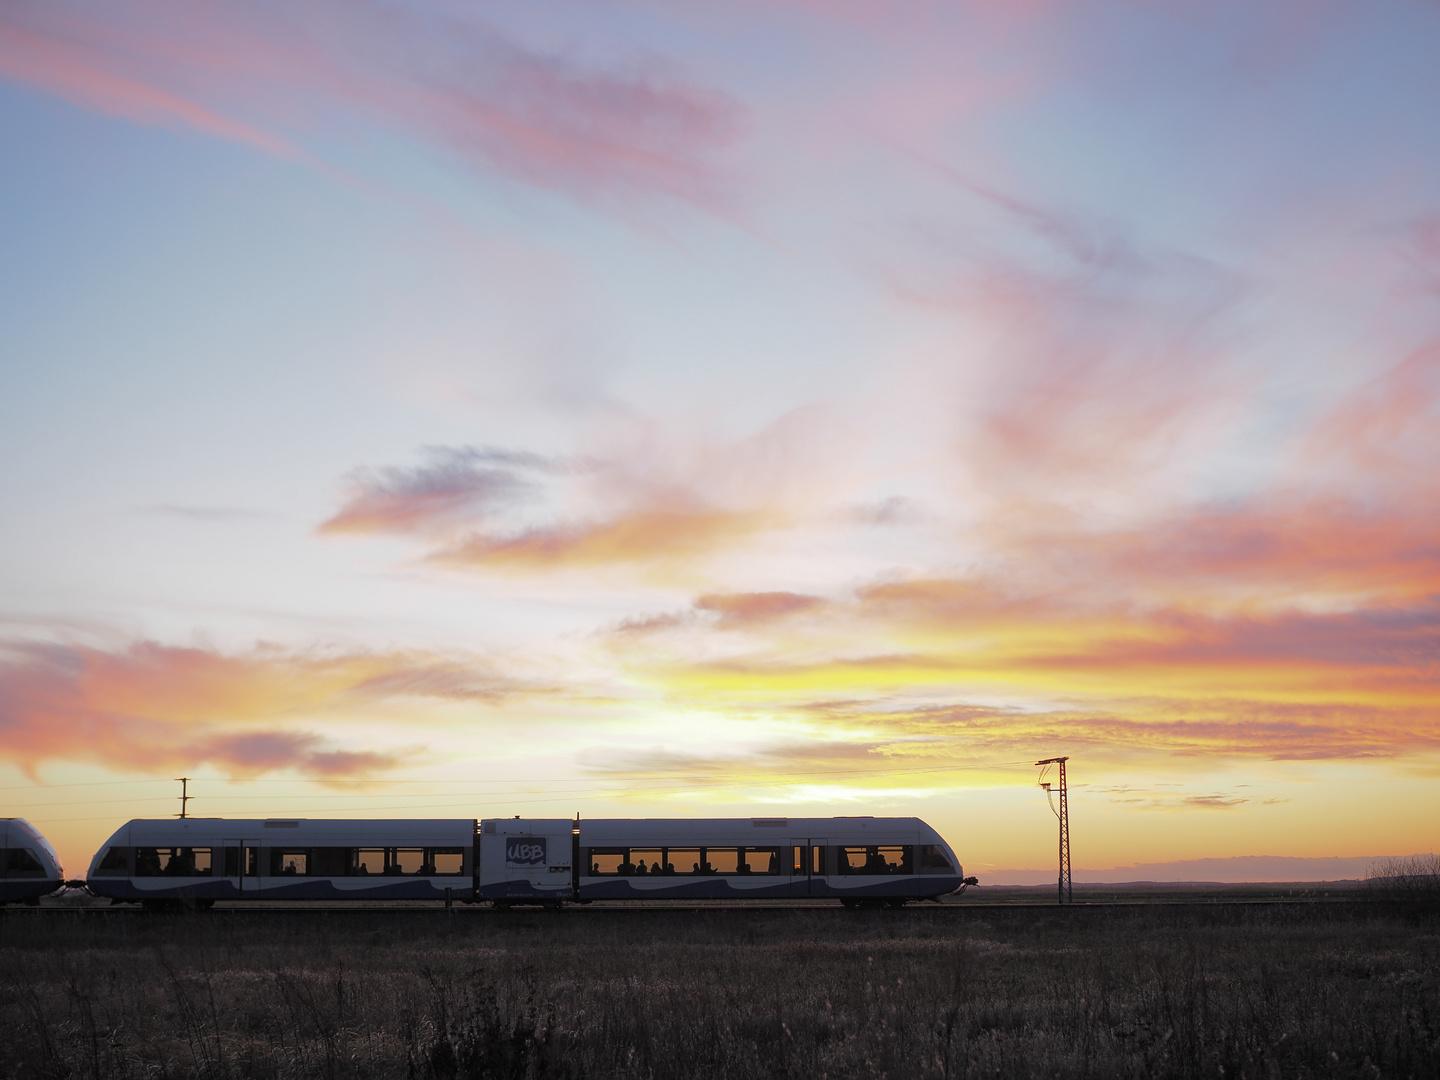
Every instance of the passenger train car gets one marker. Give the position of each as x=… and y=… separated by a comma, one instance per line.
x=29, y=868
x=201, y=860
x=527, y=861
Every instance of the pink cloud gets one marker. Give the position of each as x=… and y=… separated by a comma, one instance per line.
x=77, y=71
x=454, y=488
x=636, y=507
x=149, y=706
x=647, y=534
x=739, y=610
x=1388, y=428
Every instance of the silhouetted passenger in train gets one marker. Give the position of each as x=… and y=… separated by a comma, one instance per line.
x=743, y=868
x=640, y=869
x=147, y=862
x=595, y=869
x=695, y=868
x=669, y=868
x=363, y=869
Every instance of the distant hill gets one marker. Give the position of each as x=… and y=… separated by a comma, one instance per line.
x=1234, y=870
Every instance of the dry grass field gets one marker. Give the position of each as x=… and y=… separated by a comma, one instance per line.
x=1151, y=990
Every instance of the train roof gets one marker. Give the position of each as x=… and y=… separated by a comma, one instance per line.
x=279, y=832
x=754, y=831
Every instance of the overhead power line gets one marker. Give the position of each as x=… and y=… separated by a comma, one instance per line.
x=608, y=778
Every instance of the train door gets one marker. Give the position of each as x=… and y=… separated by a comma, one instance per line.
x=815, y=867
x=242, y=865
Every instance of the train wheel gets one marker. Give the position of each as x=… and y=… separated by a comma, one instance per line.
x=850, y=902
x=896, y=903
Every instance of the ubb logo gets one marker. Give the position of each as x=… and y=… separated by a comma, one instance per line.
x=525, y=851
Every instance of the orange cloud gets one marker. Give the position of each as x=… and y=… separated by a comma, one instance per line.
x=1279, y=551
x=738, y=610
x=152, y=706
x=1129, y=675
x=643, y=535
x=466, y=504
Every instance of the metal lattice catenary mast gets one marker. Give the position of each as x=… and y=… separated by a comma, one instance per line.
x=1066, y=894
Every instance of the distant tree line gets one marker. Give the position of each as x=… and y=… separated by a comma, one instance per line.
x=1411, y=877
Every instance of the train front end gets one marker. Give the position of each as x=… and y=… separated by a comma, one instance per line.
x=29, y=867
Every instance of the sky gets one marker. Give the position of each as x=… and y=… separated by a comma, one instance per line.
x=628, y=409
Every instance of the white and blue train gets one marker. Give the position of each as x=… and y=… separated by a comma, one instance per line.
x=29, y=868
x=526, y=861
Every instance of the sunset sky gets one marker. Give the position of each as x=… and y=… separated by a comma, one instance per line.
x=625, y=408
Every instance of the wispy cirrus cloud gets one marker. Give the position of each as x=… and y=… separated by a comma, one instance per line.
x=84, y=72
x=270, y=75
x=1384, y=429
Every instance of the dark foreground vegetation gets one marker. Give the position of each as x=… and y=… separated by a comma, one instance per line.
x=1289, y=990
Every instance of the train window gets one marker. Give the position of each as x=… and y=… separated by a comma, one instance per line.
x=933, y=860
x=605, y=861
x=406, y=860
x=685, y=860
x=172, y=862
x=447, y=862
x=647, y=860
x=369, y=860
x=231, y=862
x=20, y=862
x=330, y=861
x=116, y=861
x=759, y=861
x=291, y=863
x=720, y=860
x=874, y=859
